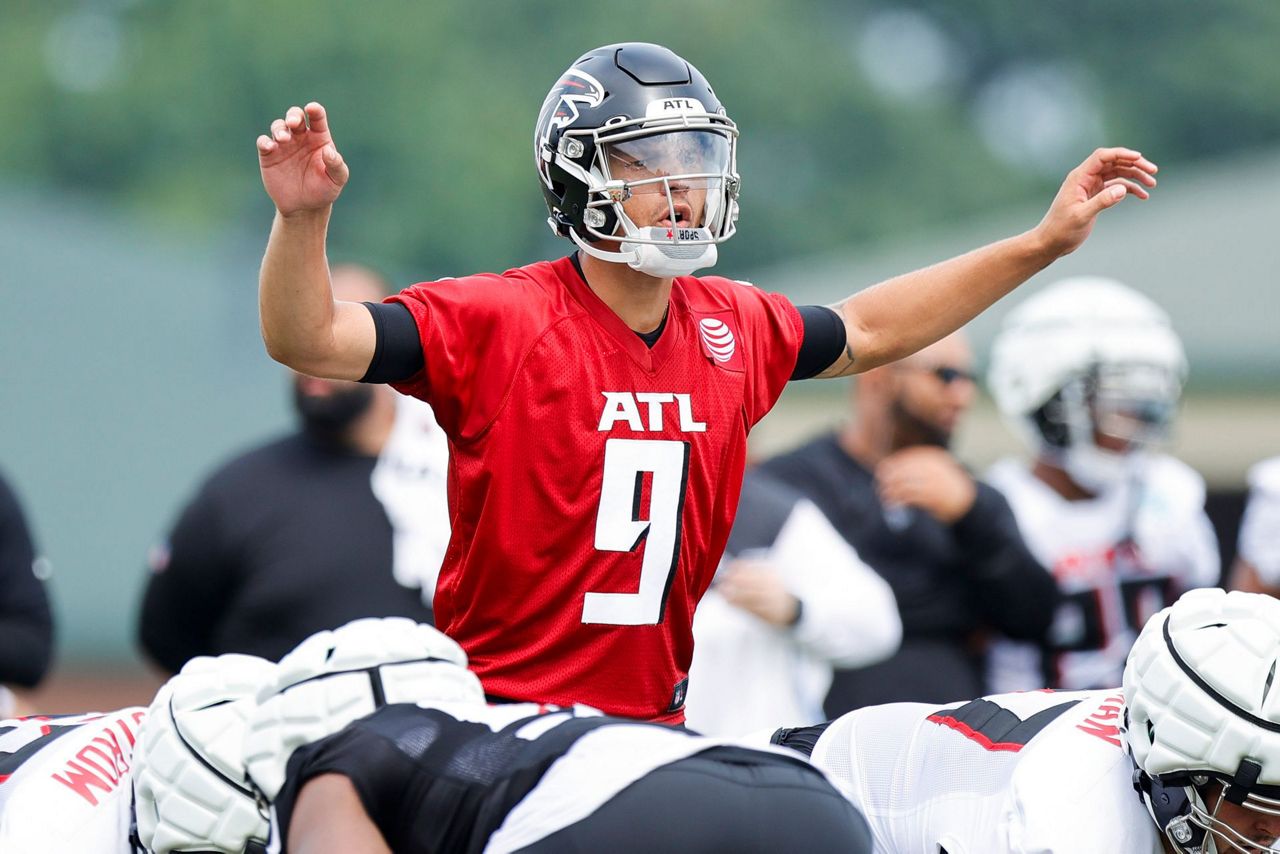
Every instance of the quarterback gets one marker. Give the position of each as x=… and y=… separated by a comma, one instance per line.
x=597, y=406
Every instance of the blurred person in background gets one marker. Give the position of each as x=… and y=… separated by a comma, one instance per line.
x=1089, y=372
x=791, y=601
x=343, y=518
x=1257, y=565
x=947, y=544
x=26, y=622
x=598, y=405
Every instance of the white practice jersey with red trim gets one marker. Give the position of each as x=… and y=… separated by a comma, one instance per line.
x=65, y=783
x=1118, y=559
x=1029, y=773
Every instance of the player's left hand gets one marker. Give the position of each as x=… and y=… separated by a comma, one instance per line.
x=929, y=478
x=1101, y=181
x=754, y=586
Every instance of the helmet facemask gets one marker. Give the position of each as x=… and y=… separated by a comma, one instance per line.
x=1180, y=805
x=678, y=173
x=1099, y=426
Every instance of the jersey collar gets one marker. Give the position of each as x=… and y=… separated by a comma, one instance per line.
x=648, y=358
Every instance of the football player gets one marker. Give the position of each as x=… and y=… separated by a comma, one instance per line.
x=356, y=755
x=66, y=782
x=597, y=407
x=1089, y=372
x=1184, y=759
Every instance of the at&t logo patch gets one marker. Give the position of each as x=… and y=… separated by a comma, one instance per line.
x=717, y=339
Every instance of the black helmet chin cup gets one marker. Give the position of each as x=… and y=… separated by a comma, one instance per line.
x=1170, y=805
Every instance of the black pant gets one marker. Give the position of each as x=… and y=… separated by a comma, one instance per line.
x=721, y=800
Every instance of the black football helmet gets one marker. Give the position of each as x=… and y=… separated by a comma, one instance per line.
x=629, y=119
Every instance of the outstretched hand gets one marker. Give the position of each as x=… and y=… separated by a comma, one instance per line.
x=302, y=170
x=1102, y=180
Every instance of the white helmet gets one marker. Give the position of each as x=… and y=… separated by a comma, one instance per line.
x=334, y=677
x=1201, y=705
x=189, y=783
x=1088, y=354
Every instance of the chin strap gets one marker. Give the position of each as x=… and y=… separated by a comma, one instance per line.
x=1170, y=806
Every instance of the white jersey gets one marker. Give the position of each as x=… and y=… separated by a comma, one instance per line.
x=1118, y=558
x=1030, y=773
x=749, y=675
x=65, y=783
x=410, y=480
x=1259, y=542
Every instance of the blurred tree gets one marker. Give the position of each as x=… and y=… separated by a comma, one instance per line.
x=859, y=120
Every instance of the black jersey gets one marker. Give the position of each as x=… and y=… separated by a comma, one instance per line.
x=282, y=542
x=26, y=625
x=491, y=778
x=951, y=581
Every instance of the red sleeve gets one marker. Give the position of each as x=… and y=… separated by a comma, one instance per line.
x=776, y=332
x=473, y=333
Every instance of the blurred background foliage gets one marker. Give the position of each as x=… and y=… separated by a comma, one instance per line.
x=860, y=119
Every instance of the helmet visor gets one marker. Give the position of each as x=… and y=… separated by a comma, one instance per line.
x=681, y=179
x=1136, y=403
x=685, y=159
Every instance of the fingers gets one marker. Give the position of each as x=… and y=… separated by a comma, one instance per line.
x=317, y=118
x=1132, y=173
x=1121, y=156
x=297, y=122
x=1109, y=196
x=1130, y=187
x=334, y=166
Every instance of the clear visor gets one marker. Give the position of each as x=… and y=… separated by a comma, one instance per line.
x=1136, y=404
x=694, y=159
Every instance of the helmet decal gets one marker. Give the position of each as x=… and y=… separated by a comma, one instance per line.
x=575, y=87
x=575, y=90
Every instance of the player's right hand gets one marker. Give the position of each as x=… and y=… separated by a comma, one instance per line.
x=302, y=170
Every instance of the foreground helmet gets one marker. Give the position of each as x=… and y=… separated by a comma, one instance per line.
x=189, y=783
x=334, y=677
x=1202, y=708
x=1086, y=356
x=632, y=119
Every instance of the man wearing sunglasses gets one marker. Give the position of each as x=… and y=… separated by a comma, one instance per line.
x=946, y=543
x=1089, y=373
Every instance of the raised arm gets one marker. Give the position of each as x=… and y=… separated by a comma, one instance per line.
x=904, y=314
x=303, y=326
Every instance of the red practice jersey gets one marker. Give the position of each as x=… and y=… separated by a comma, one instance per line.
x=592, y=480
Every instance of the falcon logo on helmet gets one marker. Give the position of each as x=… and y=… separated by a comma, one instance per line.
x=574, y=87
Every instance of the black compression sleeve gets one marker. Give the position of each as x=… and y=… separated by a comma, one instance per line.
x=397, y=353
x=824, y=340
